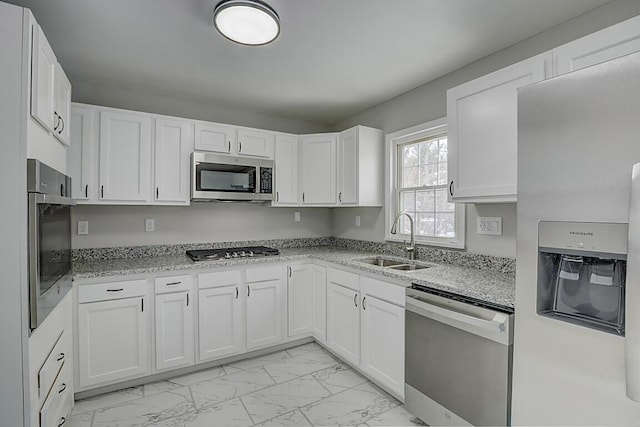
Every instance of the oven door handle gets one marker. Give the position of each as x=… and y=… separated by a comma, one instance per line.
x=52, y=199
x=465, y=321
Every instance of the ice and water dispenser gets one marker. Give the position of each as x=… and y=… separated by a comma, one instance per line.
x=581, y=273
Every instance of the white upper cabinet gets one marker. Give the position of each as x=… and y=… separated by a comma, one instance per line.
x=360, y=167
x=215, y=137
x=173, y=144
x=318, y=169
x=610, y=43
x=286, y=170
x=50, y=89
x=482, y=126
x=43, y=66
x=252, y=142
x=62, y=105
x=125, y=157
x=82, y=161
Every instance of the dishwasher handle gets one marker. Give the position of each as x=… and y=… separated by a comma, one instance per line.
x=494, y=329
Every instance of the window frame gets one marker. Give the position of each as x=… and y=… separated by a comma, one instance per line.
x=403, y=136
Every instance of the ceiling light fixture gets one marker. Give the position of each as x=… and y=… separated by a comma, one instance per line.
x=248, y=22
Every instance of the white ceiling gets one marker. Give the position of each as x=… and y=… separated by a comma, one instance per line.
x=334, y=58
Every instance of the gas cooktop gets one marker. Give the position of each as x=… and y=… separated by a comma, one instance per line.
x=231, y=253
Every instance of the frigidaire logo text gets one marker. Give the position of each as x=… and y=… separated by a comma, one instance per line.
x=581, y=233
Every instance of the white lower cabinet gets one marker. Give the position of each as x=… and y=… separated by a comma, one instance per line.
x=175, y=322
x=264, y=306
x=383, y=342
x=113, y=334
x=220, y=322
x=319, y=283
x=359, y=318
x=300, y=292
x=343, y=314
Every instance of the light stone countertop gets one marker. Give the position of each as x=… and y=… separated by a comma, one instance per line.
x=485, y=285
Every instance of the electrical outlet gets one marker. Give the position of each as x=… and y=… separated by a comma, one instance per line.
x=357, y=220
x=149, y=225
x=83, y=227
x=490, y=225
x=296, y=216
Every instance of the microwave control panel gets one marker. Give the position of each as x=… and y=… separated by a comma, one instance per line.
x=266, y=180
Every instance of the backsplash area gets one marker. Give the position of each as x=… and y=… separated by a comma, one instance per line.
x=426, y=253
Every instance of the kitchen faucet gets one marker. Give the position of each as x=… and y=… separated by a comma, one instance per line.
x=411, y=249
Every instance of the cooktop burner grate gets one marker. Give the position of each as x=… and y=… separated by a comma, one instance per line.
x=231, y=253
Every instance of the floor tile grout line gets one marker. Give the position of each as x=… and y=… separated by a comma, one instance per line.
x=273, y=418
x=247, y=410
x=305, y=416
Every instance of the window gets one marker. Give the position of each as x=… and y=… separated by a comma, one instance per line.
x=418, y=185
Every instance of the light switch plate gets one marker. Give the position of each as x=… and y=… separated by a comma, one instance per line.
x=149, y=224
x=296, y=216
x=83, y=227
x=491, y=225
x=357, y=220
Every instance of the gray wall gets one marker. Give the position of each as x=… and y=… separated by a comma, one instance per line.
x=199, y=223
x=13, y=217
x=130, y=98
x=428, y=102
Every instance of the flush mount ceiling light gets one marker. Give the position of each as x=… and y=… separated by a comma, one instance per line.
x=248, y=22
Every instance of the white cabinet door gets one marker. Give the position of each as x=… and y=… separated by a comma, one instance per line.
x=174, y=332
x=82, y=160
x=215, y=137
x=62, y=105
x=300, y=290
x=482, y=126
x=343, y=322
x=43, y=64
x=383, y=342
x=286, y=170
x=264, y=313
x=219, y=322
x=125, y=157
x=173, y=146
x=319, y=279
x=607, y=44
x=318, y=169
x=348, y=167
x=253, y=142
x=113, y=339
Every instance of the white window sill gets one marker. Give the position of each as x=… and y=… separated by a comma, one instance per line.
x=440, y=243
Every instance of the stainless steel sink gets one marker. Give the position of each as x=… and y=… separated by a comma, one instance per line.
x=408, y=267
x=381, y=261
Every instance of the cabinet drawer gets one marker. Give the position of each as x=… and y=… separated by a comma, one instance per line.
x=51, y=367
x=344, y=278
x=264, y=274
x=164, y=285
x=57, y=407
x=113, y=290
x=221, y=278
x=385, y=291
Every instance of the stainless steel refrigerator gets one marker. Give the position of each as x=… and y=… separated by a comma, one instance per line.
x=577, y=325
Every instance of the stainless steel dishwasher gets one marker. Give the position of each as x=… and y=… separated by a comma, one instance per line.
x=458, y=357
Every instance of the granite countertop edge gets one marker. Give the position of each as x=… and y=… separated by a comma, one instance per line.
x=486, y=285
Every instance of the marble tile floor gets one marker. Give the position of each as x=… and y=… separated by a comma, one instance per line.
x=301, y=386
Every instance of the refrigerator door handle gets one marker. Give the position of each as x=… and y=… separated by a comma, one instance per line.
x=632, y=326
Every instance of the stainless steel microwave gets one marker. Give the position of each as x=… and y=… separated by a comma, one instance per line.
x=216, y=177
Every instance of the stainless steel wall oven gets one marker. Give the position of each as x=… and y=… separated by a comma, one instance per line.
x=49, y=239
